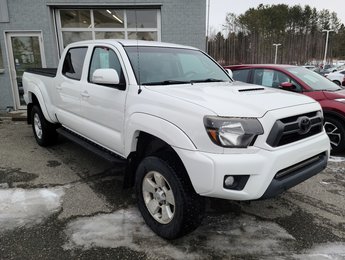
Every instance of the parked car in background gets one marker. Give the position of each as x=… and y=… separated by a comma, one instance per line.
x=337, y=77
x=324, y=72
x=304, y=81
x=309, y=67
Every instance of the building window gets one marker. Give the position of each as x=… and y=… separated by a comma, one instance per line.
x=80, y=24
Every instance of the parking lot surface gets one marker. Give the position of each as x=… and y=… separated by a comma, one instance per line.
x=63, y=202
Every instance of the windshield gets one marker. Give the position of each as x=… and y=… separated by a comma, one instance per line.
x=313, y=80
x=166, y=66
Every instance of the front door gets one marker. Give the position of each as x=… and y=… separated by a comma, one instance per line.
x=103, y=106
x=25, y=51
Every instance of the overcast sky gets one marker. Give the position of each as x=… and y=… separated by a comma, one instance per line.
x=219, y=8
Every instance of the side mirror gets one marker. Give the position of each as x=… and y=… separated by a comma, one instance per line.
x=105, y=77
x=288, y=86
x=229, y=71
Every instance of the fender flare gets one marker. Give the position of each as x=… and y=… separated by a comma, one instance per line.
x=333, y=113
x=33, y=89
x=158, y=127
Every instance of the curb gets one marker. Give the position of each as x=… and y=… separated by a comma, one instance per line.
x=13, y=116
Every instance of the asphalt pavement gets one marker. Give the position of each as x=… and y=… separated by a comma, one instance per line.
x=63, y=202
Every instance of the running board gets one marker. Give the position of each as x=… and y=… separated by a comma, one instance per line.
x=92, y=147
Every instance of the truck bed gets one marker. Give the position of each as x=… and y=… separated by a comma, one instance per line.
x=48, y=72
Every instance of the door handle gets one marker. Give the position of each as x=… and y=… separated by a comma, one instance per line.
x=85, y=94
x=58, y=87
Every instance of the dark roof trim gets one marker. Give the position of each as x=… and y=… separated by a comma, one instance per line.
x=94, y=5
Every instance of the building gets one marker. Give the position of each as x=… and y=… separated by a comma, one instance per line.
x=35, y=32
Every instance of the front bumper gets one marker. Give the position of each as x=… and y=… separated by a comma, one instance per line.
x=207, y=170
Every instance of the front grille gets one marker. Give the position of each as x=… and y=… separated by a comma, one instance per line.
x=295, y=128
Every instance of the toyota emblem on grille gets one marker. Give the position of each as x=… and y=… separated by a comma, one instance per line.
x=304, y=124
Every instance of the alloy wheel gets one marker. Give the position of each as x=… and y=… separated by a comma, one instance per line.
x=333, y=133
x=38, y=126
x=158, y=197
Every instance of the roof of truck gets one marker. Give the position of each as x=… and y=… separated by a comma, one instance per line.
x=133, y=43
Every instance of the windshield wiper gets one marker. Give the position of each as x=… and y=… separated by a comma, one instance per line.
x=166, y=82
x=206, y=80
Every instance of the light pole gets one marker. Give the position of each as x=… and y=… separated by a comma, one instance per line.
x=327, y=35
x=275, y=57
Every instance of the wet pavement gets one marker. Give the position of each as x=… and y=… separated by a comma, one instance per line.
x=63, y=202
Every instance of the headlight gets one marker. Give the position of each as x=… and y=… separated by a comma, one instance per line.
x=232, y=132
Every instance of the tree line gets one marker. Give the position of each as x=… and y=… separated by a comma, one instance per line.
x=299, y=30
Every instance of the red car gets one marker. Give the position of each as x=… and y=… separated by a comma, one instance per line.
x=298, y=79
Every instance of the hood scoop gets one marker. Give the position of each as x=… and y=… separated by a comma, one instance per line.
x=250, y=89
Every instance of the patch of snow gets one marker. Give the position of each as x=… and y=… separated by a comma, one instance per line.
x=20, y=207
x=336, y=159
x=123, y=228
x=4, y=186
x=241, y=235
x=324, y=182
x=334, y=251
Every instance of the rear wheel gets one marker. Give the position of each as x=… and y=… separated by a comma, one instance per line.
x=44, y=131
x=166, y=200
x=336, y=133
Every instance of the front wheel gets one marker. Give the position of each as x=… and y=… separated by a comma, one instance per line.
x=44, y=131
x=336, y=133
x=166, y=200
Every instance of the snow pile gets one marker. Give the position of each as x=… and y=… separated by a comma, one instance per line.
x=19, y=207
x=126, y=228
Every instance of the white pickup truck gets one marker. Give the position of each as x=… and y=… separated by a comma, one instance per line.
x=184, y=129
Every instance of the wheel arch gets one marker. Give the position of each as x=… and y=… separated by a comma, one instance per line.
x=337, y=144
x=144, y=141
x=37, y=95
x=334, y=114
x=155, y=126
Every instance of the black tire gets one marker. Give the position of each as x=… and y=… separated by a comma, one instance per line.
x=44, y=131
x=337, y=82
x=188, y=209
x=336, y=133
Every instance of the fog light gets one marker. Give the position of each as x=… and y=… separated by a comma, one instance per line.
x=235, y=182
x=229, y=181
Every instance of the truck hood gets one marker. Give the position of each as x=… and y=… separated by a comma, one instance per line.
x=235, y=99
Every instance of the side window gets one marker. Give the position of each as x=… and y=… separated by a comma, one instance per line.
x=280, y=77
x=73, y=63
x=105, y=58
x=241, y=75
x=273, y=79
x=264, y=77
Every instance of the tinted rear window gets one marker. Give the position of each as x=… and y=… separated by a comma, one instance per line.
x=73, y=63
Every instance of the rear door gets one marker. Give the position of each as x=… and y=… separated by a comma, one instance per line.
x=68, y=89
